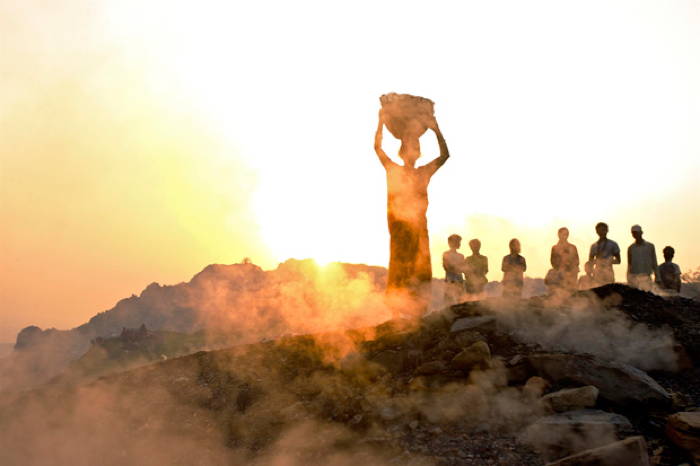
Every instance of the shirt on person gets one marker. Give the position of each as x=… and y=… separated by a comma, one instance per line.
x=641, y=258
x=670, y=276
x=475, y=269
x=477, y=265
x=603, y=251
x=453, y=263
x=513, y=268
x=564, y=257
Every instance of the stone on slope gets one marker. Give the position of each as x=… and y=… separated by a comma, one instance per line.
x=393, y=361
x=571, y=399
x=683, y=429
x=475, y=354
x=535, y=387
x=564, y=434
x=431, y=368
x=617, y=382
x=631, y=451
x=468, y=323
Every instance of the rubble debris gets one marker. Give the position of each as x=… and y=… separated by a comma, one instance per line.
x=683, y=429
x=469, y=323
x=682, y=315
x=571, y=399
x=535, y=387
x=476, y=354
x=431, y=368
x=617, y=382
x=564, y=434
x=631, y=451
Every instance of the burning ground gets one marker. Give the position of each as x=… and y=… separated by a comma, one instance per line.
x=478, y=383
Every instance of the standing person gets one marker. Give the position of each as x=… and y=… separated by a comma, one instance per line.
x=604, y=254
x=669, y=276
x=453, y=263
x=475, y=270
x=513, y=268
x=564, y=260
x=641, y=261
x=407, y=203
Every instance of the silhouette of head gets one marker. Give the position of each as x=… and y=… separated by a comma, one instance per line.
x=409, y=150
x=475, y=245
x=563, y=233
x=454, y=241
x=637, y=232
x=602, y=229
x=588, y=268
x=669, y=252
x=514, y=246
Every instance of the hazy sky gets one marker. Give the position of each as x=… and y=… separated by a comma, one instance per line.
x=141, y=141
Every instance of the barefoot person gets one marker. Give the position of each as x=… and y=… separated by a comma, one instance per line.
x=453, y=263
x=475, y=270
x=407, y=192
x=513, y=268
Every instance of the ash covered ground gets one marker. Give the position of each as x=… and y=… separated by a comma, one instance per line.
x=609, y=376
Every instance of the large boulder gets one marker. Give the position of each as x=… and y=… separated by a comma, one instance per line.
x=571, y=399
x=683, y=429
x=631, y=451
x=567, y=433
x=472, y=323
x=617, y=382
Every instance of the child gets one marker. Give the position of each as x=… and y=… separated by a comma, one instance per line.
x=669, y=277
x=476, y=268
x=453, y=263
x=586, y=281
x=513, y=268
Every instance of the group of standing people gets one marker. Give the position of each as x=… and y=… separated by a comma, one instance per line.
x=468, y=275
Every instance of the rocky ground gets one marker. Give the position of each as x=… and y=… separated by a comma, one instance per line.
x=466, y=386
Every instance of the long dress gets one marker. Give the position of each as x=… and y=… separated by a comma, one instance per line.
x=407, y=205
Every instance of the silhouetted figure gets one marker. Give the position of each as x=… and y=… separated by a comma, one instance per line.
x=453, y=263
x=669, y=276
x=475, y=270
x=604, y=254
x=641, y=261
x=513, y=268
x=407, y=191
x=564, y=260
x=586, y=281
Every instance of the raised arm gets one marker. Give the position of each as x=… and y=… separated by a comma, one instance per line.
x=444, y=153
x=383, y=158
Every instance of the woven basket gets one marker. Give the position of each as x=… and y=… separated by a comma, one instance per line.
x=405, y=115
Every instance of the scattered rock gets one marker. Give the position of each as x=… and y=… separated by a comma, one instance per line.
x=393, y=361
x=683, y=429
x=630, y=451
x=475, y=354
x=617, y=382
x=431, y=367
x=564, y=434
x=571, y=399
x=466, y=338
x=468, y=323
x=535, y=387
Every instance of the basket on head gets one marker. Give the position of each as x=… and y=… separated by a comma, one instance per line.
x=405, y=115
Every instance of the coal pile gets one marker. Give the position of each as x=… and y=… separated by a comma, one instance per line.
x=469, y=385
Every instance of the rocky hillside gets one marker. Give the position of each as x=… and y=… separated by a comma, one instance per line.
x=240, y=301
x=598, y=379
